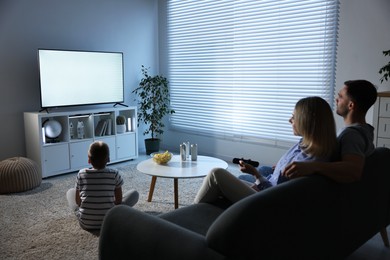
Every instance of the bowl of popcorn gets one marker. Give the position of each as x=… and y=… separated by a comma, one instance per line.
x=161, y=158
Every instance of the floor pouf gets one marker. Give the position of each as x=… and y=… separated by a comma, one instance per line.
x=19, y=174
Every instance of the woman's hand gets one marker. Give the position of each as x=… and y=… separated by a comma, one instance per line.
x=247, y=168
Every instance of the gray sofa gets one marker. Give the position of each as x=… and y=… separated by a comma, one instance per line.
x=305, y=218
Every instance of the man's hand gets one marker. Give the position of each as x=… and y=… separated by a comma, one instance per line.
x=349, y=169
x=297, y=169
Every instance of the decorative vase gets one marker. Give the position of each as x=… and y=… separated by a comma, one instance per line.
x=120, y=129
x=152, y=145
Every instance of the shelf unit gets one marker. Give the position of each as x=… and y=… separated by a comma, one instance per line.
x=68, y=152
x=382, y=120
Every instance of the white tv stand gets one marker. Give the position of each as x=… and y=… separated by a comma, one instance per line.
x=68, y=153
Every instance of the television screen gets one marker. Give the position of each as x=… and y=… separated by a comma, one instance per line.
x=70, y=78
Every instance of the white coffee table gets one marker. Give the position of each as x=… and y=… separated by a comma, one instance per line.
x=177, y=169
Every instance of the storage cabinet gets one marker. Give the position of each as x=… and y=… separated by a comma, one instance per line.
x=68, y=151
x=382, y=120
x=55, y=158
x=125, y=146
x=78, y=153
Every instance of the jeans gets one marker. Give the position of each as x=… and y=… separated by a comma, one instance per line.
x=221, y=183
x=265, y=171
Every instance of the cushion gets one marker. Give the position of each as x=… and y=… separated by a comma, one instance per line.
x=19, y=174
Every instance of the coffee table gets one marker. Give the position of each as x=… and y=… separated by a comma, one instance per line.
x=177, y=169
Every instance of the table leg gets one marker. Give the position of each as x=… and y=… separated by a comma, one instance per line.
x=151, y=190
x=175, y=189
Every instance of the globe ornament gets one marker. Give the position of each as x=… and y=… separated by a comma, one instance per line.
x=52, y=128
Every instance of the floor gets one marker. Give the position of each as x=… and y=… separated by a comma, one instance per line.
x=373, y=249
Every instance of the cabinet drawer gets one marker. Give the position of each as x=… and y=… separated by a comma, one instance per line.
x=383, y=142
x=125, y=146
x=55, y=159
x=79, y=154
x=384, y=108
x=384, y=127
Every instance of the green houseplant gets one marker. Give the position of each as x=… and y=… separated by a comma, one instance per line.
x=153, y=104
x=385, y=70
x=120, y=124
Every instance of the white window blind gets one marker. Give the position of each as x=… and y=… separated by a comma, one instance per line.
x=237, y=68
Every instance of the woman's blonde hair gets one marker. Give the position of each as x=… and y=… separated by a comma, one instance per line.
x=314, y=121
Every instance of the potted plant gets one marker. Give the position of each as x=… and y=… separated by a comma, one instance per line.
x=153, y=104
x=120, y=124
x=385, y=70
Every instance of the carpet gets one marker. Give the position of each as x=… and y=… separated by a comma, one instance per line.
x=38, y=224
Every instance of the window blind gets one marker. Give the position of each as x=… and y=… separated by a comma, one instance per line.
x=237, y=68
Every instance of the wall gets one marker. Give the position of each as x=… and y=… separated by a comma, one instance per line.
x=129, y=26
x=363, y=35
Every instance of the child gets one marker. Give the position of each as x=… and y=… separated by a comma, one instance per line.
x=98, y=189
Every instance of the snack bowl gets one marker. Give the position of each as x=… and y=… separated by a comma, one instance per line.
x=161, y=157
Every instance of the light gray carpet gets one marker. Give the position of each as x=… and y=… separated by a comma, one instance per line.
x=38, y=224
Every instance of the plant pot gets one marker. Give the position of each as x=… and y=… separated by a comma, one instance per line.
x=120, y=129
x=152, y=145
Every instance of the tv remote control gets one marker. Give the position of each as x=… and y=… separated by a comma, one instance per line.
x=248, y=161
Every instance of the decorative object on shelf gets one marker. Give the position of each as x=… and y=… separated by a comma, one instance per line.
x=52, y=129
x=129, y=124
x=80, y=130
x=103, y=127
x=385, y=70
x=153, y=104
x=71, y=130
x=120, y=124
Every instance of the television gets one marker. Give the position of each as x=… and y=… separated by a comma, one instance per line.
x=73, y=77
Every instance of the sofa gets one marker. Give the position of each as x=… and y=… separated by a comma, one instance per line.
x=304, y=218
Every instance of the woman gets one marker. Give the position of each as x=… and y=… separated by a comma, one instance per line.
x=313, y=121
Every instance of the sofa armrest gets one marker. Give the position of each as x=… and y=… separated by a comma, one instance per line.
x=128, y=233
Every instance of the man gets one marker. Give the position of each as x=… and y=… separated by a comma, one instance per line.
x=355, y=140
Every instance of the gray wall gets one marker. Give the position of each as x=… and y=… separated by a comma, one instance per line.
x=363, y=35
x=129, y=26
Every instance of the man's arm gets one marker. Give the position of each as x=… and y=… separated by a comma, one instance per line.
x=349, y=169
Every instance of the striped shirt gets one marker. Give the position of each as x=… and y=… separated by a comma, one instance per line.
x=97, y=194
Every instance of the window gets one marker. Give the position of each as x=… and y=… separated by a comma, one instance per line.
x=237, y=68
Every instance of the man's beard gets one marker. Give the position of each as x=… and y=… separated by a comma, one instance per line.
x=341, y=112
